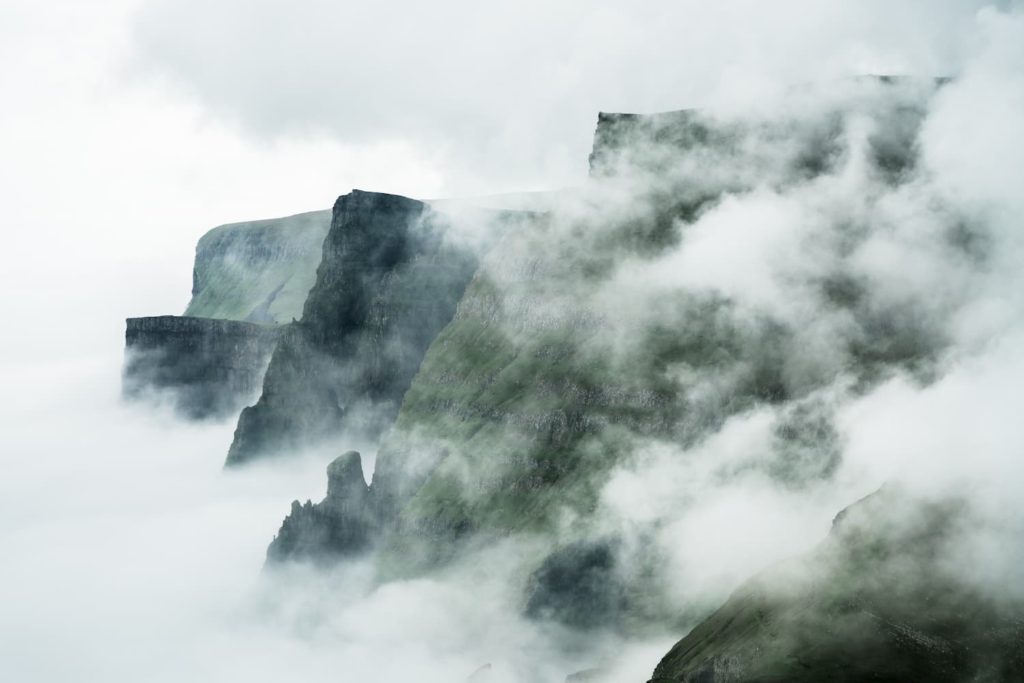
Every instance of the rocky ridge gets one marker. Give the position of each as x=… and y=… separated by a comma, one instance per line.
x=880, y=600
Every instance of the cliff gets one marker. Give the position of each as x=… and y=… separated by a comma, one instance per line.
x=258, y=271
x=248, y=278
x=887, y=597
x=559, y=362
x=388, y=281
x=205, y=368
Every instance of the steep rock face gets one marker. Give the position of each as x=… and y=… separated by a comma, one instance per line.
x=258, y=271
x=387, y=283
x=207, y=368
x=543, y=382
x=881, y=600
x=563, y=358
x=577, y=585
x=341, y=525
x=248, y=278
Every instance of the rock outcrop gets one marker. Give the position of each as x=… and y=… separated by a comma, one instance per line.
x=887, y=597
x=205, y=368
x=388, y=282
x=342, y=525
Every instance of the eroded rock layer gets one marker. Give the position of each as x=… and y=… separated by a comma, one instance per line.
x=887, y=597
x=205, y=368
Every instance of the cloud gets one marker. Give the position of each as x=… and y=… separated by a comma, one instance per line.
x=936, y=252
x=506, y=93
x=132, y=554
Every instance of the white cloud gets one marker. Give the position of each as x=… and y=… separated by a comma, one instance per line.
x=126, y=550
x=509, y=91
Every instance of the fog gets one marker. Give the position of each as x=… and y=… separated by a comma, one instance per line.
x=944, y=429
x=135, y=126
x=130, y=554
x=474, y=86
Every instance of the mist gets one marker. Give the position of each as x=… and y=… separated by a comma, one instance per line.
x=131, y=554
x=528, y=60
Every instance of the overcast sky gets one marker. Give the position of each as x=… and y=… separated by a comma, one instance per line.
x=129, y=127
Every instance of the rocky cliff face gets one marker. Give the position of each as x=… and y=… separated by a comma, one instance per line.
x=880, y=600
x=342, y=525
x=205, y=368
x=258, y=271
x=248, y=278
x=387, y=283
x=545, y=380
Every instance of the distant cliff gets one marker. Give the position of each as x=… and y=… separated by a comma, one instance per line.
x=341, y=525
x=880, y=600
x=248, y=278
x=258, y=271
x=205, y=368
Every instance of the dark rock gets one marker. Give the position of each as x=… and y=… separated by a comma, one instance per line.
x=342, y=525
x=878, y=601
x=577, y=586
x=388, y=282
x=207, y=368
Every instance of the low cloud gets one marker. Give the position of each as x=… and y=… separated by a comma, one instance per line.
x=506, y=94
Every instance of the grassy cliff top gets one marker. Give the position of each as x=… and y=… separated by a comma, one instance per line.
x=258, y=271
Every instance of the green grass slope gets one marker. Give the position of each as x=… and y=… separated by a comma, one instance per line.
x=258, y=271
